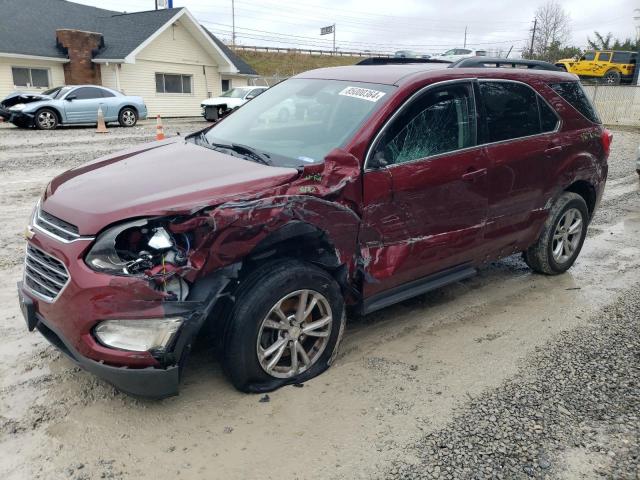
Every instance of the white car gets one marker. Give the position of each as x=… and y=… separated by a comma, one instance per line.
x=457, y=53
x=215, y=107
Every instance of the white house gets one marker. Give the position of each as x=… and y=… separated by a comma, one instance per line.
x=165, y=56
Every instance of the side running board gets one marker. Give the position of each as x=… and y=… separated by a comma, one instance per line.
x=416, y=287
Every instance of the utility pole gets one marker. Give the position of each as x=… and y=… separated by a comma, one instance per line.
x=465, y=37
x=533, y=36
x=233, y=23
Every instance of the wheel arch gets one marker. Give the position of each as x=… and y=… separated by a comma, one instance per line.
x=53, y=109
x=297, y=239
x=133, y=107
x=587, y=191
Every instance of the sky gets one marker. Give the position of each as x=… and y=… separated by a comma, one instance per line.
x=426, y=26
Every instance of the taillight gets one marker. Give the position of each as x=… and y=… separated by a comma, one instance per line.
x=606, y=138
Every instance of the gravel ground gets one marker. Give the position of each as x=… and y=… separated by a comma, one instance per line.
x=573, y=411
x=507, y=374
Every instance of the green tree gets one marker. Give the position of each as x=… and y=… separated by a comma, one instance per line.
x=608, y=42
x=601, y=42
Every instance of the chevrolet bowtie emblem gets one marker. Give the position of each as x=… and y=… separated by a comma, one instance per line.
x=28, y=232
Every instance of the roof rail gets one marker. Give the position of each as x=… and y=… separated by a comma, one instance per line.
x=490, y=62
x=397, y=61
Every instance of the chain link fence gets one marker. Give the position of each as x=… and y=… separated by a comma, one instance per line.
x=616, y=105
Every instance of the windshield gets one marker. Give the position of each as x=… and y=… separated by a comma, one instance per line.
x=234, y=93
x=56, y=92
x=299, y=121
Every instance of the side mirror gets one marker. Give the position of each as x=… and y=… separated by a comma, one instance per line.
x=378, y=160
x=70, y=97
x=249, y=97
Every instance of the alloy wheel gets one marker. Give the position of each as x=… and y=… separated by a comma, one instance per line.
x=294, y=333
x=567, y=235
x=46, y=120
x=128, y=118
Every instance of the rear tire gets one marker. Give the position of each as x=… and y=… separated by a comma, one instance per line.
x=46, y=119
x=127, y=117
x=267, y=326
x=562, y=236
x=612, y=77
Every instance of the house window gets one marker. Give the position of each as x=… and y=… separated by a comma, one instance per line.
x=173, y=83
x=226, y=85
x=30, y=77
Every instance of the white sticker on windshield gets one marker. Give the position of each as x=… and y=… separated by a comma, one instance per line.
x=363, y=93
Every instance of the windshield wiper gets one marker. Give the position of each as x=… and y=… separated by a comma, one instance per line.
x=257, y=155
x=243, y=150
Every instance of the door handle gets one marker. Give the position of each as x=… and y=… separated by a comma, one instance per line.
x=472, y=175
x=552, y=150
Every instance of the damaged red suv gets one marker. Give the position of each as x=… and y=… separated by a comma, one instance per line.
x=381, y=183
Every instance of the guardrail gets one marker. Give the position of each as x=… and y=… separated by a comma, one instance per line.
x=307, y=51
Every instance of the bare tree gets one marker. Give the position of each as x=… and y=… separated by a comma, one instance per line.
x=552, y=28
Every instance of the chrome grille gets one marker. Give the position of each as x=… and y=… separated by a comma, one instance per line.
x=55, y=226
x=45, y=275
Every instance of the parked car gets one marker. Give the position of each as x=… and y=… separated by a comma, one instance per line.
x=458, y=53
x=606, y=66
x=69, y=105
x=216, y=107
x=405, y=54
x=262, y=234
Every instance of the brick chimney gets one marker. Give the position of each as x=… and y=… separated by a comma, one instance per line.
x=80, y=47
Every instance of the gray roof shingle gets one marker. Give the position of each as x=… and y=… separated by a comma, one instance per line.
x=29, y=28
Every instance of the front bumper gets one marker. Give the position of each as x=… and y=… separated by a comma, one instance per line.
x=90, y=297
x=13, y=116
x=147, y=382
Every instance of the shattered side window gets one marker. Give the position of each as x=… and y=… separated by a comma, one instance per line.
x=440, y=121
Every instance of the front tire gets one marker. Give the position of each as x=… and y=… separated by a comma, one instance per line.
x=562, y=236
x=127, y=117
x=285, y=327
x=46, y=119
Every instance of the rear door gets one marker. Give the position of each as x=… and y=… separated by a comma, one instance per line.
x=518, y=131
x=81, y=105
x=425, y=188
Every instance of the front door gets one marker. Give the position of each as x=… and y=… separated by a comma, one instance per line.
x=425, y=189
x=81, y=105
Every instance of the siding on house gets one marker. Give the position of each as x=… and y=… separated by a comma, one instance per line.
x=56, y=74
x=174, y=51
x=236, y=81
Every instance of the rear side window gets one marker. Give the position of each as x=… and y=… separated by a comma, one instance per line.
x=548, y=118
x=511, y=111
x=622, y=57
x=573, y=93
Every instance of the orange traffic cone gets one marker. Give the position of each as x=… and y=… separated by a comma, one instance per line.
x=101, y=127
x=159, y=129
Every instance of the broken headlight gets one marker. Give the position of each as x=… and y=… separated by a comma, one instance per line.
x=144, y=248
x=17, y=107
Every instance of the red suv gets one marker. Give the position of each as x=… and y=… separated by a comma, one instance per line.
x=382, y=183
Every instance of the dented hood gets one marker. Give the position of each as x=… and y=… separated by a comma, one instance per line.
x=160, y=178
x=22, y=97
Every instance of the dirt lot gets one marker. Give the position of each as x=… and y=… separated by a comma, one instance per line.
x=505, y=375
